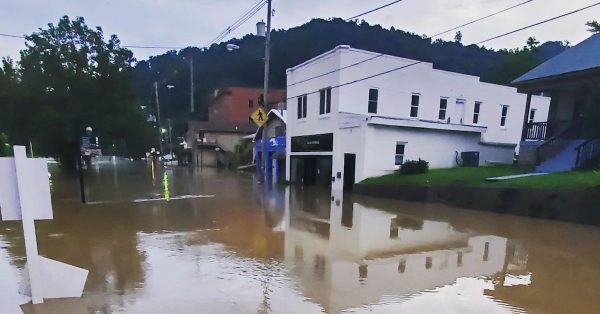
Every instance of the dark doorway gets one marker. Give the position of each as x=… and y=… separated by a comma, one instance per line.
x=349, y=171
x=311, y=170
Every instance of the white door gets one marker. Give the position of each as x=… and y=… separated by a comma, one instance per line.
x=460, y=110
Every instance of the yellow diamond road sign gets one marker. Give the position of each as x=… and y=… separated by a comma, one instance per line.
x=259, y=117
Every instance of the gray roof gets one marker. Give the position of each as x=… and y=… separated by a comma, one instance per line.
x=584, y=56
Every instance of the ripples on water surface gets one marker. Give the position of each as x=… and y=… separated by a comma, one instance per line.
x=216, y=242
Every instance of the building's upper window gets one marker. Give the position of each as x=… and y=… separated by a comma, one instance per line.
x=443, y=108
x=532, y=116
x=302, y=106
x=373, y=98
x=325, y=101
x=504, y=115
x=250, y=103
x=476, y=111
x=414, y=106
x=399, y=153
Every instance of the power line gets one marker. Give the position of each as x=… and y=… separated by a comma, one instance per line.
x=539, y=23
x=419, y=62
x=436, y=35
x=152, y=47
x=12, y=36
x=482, y=18
x=376, y=9
x=240, y=21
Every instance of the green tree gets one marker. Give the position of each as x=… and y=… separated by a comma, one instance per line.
x=594, y=27
x=5, y=148
x=532, y=43
x=72, y=77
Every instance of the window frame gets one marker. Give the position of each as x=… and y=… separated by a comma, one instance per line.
x=325, y=101
x=504, y=115
x=374, y=102
x=476, y=112
x=250, y=103
x=413, y=106
x=302, y=107
x=531, y=118
x=443, y=109
x=401, y=155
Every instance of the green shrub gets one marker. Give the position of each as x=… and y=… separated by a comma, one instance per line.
x=414, y=167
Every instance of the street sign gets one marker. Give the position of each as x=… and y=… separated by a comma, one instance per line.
x=25, y=196
x=259, y=116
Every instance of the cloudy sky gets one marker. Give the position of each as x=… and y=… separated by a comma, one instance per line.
x=196, y=22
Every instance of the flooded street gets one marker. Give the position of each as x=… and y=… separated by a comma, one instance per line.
x=191, y=241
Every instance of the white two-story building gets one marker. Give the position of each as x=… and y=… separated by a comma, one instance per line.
x=347, y=121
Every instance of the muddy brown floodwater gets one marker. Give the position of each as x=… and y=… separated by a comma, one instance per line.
x=191, y=241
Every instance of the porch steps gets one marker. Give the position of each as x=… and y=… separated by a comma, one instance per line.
x=517, y=176
x=564, y=161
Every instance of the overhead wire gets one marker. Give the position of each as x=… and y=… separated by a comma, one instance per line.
x=482, y=18
x=234, y=26
x=419, y=62
x=436, y=35
x=373, y=10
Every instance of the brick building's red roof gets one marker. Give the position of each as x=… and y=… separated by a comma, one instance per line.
x=230, y=110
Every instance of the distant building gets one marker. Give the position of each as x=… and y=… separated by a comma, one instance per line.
x=228, y=122
x=346, y=133
x=571, y=79
x=275, y=127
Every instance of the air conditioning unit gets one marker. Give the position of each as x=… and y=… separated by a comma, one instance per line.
x=469, y=159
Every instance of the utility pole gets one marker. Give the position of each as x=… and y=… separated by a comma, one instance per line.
x=263, y=163
x=191, y=85
x=158, y=119
x=170, y=144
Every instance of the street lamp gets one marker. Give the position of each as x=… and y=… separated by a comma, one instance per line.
x=158, y=113
x=232, y=47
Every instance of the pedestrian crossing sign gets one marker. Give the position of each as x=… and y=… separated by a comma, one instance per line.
x=259, y=116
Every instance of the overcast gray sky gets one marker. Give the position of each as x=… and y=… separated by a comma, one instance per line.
x=196, y=22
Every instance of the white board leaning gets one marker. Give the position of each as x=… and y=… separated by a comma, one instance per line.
x=25, y=195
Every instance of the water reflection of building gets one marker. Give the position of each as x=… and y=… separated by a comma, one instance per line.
x=355, y=255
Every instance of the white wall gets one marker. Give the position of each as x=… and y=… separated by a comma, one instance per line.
x=375, y=146
x=437, y=147
x=396, y=90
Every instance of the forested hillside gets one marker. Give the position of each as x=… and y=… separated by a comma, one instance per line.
x=215, y=67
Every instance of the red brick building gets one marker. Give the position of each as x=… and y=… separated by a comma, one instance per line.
x=228, y=122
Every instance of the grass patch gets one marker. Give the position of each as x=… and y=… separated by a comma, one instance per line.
x=476, y=177
x=565, y=180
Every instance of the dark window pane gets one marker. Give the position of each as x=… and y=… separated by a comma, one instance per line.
x=477, y=107
x=400, y=149
x=504, y=110
x=304, y=105
x=328, y=101
x=414, y=101
x=372, y=107
x=443, y=103
x=322, y=102
x=399, y=160
x=414, y=112
x=442, y=115
x=300, y=107
x=503, y=121
x=373, y=94
x=476, y=118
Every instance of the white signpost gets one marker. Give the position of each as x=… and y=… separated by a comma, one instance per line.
x=25, y=195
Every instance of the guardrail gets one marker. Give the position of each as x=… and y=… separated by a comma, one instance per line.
x=536, y=131
x=587, y=151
